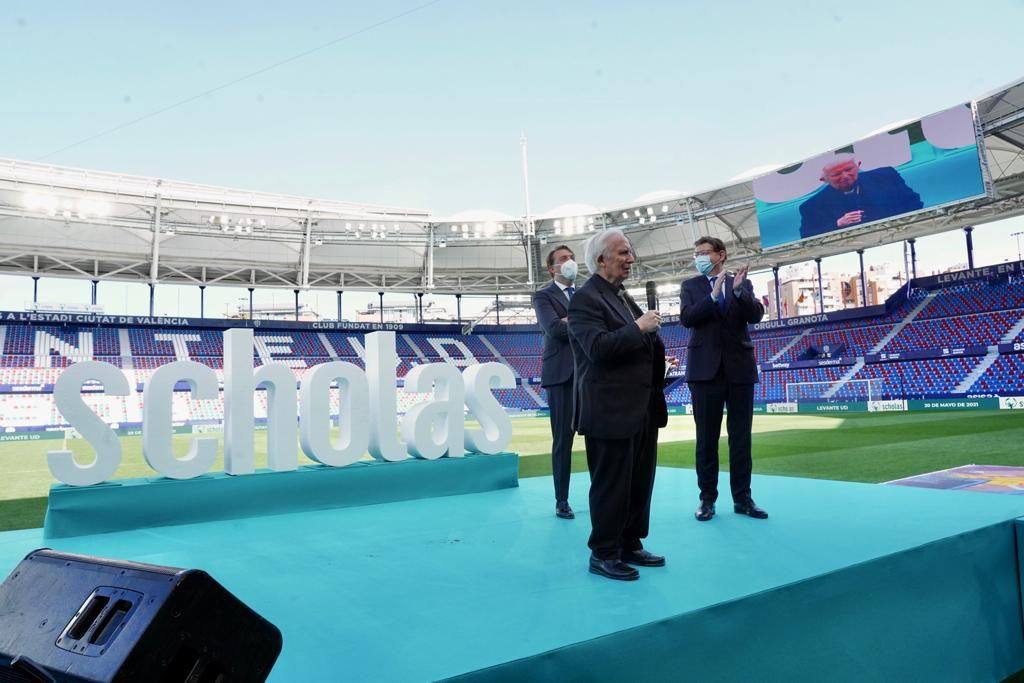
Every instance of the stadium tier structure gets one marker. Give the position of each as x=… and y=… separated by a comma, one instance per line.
x=945, y=338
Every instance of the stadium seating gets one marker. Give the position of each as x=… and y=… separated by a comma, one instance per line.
x=961, y=315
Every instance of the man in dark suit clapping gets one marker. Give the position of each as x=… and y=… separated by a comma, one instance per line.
x=619, y=406
x=551, y=305
x=721, y=371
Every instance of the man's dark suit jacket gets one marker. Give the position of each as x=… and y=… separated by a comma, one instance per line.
x=719, y=339
x=879, y=193
x=551, y=305
x=619, y=368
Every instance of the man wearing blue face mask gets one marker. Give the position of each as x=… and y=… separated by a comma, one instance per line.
x=551, y=305
x=721, y=371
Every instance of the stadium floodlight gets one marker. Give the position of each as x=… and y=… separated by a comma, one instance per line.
x=636, y=213
x=211, y=219
x=359, y=228
x=224, y=220
x=590, y=220
x=66, y=213
x=558, y=224
x=650, y=211
x=348, y=227
x=625, y=215
x=558, y=230
x=664, y=208
x=642, y=220
x=93, y=207
x=263, y=222
x=465, y=227
x=454, y=227
x=38, y=201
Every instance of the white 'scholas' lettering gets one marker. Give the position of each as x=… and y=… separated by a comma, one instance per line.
x=368, y=421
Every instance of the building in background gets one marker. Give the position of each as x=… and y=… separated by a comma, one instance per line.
x=798, y=289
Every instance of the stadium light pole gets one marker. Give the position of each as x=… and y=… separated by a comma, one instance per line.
x=458, y=308
x=497, y=310
x=339, y=305
x=152, y=294
x=821, y=291
x=35, y=289
x=381, y=295
x=863, y=285
x=296, y=304
x=970, y=246
x=250, y=302
x=778, y=302
x=1018, y=235
x=913, y=258
x=528, y=228
x=202, y=301
x=95, y=285
x=419, y=303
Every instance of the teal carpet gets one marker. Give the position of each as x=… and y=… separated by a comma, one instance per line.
x=844, y=582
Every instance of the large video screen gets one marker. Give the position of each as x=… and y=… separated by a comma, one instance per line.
x=916, y=166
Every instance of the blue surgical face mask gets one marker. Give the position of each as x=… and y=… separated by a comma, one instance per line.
x=569, y=270
x=704, y=264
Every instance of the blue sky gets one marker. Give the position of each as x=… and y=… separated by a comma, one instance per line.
x=617, y=99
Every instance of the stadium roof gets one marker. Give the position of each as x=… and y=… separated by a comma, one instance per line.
x=65, y=222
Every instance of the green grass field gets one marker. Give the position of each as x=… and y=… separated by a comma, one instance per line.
x=870, y=447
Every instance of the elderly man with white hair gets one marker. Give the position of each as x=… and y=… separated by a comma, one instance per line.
x=851, y=197
x=619, y=405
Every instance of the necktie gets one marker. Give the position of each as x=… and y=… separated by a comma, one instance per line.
x=569, y=291
x=724, y=301
x=627, y=301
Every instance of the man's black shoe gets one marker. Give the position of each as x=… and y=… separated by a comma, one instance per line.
x=564, y=511
x=705, y=512
x=642, y=558
x=613, y=569
x=750, y=509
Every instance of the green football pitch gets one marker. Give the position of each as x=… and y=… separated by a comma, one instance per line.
x=871, y=447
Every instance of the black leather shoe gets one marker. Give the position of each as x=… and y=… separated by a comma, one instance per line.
x=613, y=569
x=642, y=558
x=564, y=511
x=705, y=512
x=750, y=509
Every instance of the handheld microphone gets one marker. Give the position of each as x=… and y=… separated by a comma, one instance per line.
x=652, y=296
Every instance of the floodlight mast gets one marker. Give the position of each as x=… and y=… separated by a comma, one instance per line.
x=528, y=229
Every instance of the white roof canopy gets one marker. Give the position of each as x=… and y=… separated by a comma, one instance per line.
x=66, y=222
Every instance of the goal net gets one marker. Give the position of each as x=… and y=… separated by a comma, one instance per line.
x=828, y=392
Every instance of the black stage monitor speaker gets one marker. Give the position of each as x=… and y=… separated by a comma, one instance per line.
x=70, y=617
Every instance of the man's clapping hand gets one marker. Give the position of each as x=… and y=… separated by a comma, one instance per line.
x=738, y=278
x=649, y=321
x=716, y=290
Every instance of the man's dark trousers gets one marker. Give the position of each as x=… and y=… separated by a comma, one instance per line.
x=560, y=404
x=709, y=398
x=622, y=481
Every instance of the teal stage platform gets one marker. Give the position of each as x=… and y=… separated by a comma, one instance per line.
x=844, y=582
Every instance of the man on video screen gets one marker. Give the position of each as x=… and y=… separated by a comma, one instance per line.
x=852, y=198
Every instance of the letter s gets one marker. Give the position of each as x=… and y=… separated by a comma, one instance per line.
x=496, y=426
x=67, y=395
